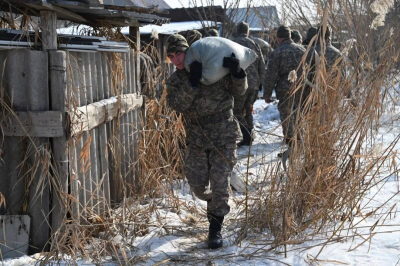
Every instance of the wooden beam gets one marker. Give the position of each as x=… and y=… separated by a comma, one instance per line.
x=70, y=4
x=139, y=9
x=34, y=124
x=48, y=25
x=87, y=117
x=61, y=12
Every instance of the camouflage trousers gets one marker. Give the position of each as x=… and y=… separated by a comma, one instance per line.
x=287, y=119
x=243, y=108
x=213, y=166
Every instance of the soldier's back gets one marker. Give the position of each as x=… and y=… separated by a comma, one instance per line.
x=253, y=75
x=289, y=55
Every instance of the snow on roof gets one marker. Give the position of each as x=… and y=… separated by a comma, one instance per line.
x=174, y=27
x=171, y=28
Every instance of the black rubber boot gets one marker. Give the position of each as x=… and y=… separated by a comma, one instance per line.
x=214, y=231
x=246, y=137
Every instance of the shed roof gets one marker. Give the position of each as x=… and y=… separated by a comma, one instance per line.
x=175, y=27
x=95, y=12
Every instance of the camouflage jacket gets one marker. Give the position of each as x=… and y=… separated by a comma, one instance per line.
x=256, y=71
x=197, y=105
x=285, y=58
x=331, y=54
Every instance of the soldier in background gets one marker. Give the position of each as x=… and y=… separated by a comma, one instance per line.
x=243, y=108
x=212, y=33
x=211, y=130
x=296, y=36
x=192, y=36
x=265, y=47
x=332, y=57
x=312, y=31
x=282, y=61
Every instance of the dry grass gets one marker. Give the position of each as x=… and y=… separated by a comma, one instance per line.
x=333, y=164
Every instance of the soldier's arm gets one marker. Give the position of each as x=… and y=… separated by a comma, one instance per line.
x=180, y=93
x=239, y=85
x=271, y=75
x=261, y=66
x=312, y=58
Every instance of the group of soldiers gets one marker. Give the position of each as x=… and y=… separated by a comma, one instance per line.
x=218, y=117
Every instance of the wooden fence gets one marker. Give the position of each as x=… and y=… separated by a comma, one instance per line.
x=70, y=135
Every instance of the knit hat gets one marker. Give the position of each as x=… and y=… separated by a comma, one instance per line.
x=176, y=43
x=327, y=33
x=311, y=32
x=296, y=37
x=192, y=36
x=242, y=27
x=213, y=32
x=283, y=32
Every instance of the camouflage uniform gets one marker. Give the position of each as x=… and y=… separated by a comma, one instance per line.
x=147, y=76
x=332, y=56
x=312, y=31
x=255, y=73
x=296, y=36
x=211, y=134
x=212, y=33
x=192, y=36
x=265, y=47
x=281, y=62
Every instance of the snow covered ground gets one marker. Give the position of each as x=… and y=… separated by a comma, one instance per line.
x=177, y=228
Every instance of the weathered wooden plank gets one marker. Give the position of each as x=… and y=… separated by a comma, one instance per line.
x=130, y=173
x=24, y=76
x=87, y=117
x=91, y=88
x=86, y=141
x=135, y=36
x=62, y=12
x=36, y=88
x=116, y=137
x=78, y=143
x=109, y=129
x=124, y=132
x=102, y=140
x=72, y=152
x=139, y=9
x=59, y=93
x=48, y=25
x=33, y=124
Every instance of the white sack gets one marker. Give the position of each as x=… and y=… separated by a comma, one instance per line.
x=211, y=52
x=261, y=43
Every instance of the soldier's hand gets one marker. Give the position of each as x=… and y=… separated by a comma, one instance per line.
x=234, y=66
x=232, y=63
x=195, y=73
x=268, y=99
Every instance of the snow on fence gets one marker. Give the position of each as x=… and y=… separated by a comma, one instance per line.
x=70, y=135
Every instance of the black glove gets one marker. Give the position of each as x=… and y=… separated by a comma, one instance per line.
x=195, y=73
x=233, y=64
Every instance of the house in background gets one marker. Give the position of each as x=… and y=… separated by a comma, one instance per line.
x=260, y=19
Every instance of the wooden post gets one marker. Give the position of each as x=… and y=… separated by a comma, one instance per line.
x=58, y=92
x=134, y=34
x=48, y=25
x=58, y=89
